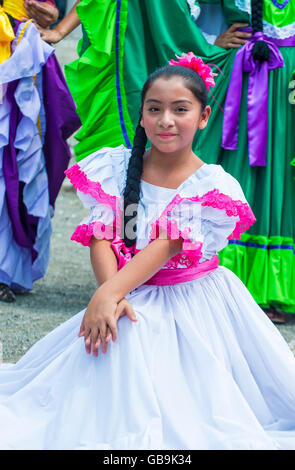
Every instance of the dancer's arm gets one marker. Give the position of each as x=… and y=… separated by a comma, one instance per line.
x=141, y=267
x=103, y=260
x=104, y=265
x=100, y=313
x=65, y=27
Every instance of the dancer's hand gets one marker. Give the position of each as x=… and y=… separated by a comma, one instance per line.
x=43, y=13
x=99, y=315
x=233, y=38
x=50, y=35
x=124, y=308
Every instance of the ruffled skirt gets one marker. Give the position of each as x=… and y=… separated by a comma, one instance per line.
x=203, y=368
x=37, y=115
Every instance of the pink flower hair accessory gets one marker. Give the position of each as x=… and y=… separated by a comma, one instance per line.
x=195, y=63
x=190, y=61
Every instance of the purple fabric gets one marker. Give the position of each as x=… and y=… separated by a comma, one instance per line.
x=257, y=101
x=61, y=122
x=287, y=42
x=23, y=225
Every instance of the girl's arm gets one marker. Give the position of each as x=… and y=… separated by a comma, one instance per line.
x=65, y=27
x=103, y=260
x=104, y=265
x=100, y=313
x=141, y=267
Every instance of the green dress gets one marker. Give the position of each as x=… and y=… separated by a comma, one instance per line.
x=126, y=40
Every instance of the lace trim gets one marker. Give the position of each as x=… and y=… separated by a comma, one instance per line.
x=189, y=259
x=269, y=29
x=279, y=33
x=85, y=232
x=195, y=9
x=217, y=200
x=80, y=181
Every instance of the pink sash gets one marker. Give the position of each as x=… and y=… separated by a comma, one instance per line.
x=166, y=277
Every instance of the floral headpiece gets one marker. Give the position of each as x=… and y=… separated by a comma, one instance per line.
x=195, y=63
x=190, y=61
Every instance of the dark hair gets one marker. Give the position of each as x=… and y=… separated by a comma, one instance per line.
x=260, y=50
x=132, y=189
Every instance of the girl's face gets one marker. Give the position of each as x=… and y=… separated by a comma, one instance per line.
x=171, y=115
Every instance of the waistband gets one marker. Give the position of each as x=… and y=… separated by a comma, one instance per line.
x=166, y=277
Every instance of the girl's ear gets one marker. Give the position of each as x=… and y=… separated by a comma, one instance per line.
x=205, y=117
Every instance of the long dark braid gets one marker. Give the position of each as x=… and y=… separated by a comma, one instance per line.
x=132, y=188
x=135, y=167
x=260, y=50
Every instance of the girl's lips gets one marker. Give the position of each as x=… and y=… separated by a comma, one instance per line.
x=166, y=135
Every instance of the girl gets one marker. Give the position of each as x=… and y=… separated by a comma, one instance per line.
x=200, y=366
x=124, y=40
x=37, y=115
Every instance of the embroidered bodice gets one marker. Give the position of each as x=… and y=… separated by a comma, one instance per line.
x=205, y=210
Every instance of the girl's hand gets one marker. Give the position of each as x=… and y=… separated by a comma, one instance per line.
x=50, y=35
x=43, y=13
x=100, y=315
x=124, y=308
x=233, y=38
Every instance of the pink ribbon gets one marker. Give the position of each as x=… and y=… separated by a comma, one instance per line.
x=257, y=100
x=122, y=252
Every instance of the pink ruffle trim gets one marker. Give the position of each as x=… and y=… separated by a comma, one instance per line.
x=85, y=232
x=213, y=199
x=80, y=181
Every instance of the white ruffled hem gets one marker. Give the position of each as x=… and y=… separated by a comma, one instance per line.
x=203, y=368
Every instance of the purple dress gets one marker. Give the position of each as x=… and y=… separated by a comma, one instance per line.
x=37, y=116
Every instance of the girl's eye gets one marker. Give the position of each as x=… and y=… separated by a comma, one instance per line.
x=181, y=109
x=153, y=109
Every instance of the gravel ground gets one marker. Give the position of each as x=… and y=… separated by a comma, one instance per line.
x=65, y=290
x=69, y=282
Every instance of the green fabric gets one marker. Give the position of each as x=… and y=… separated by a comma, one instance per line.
x=150, y=43
x=154, y=35
x=233, y=14
x=271, y=13
x=279, y=17
x=96, y=70
x=269, y=273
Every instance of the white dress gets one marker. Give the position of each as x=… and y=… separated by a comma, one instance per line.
x=203, y=368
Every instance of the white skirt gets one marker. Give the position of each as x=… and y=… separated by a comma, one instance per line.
x=203, y=368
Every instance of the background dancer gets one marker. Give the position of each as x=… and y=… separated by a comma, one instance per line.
x=37, y=116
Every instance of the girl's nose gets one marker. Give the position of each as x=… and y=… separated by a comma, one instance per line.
x=166, y=119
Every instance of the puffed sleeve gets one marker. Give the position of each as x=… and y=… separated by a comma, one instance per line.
x=100, y=180
x=225, y=215
x=206, y=214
